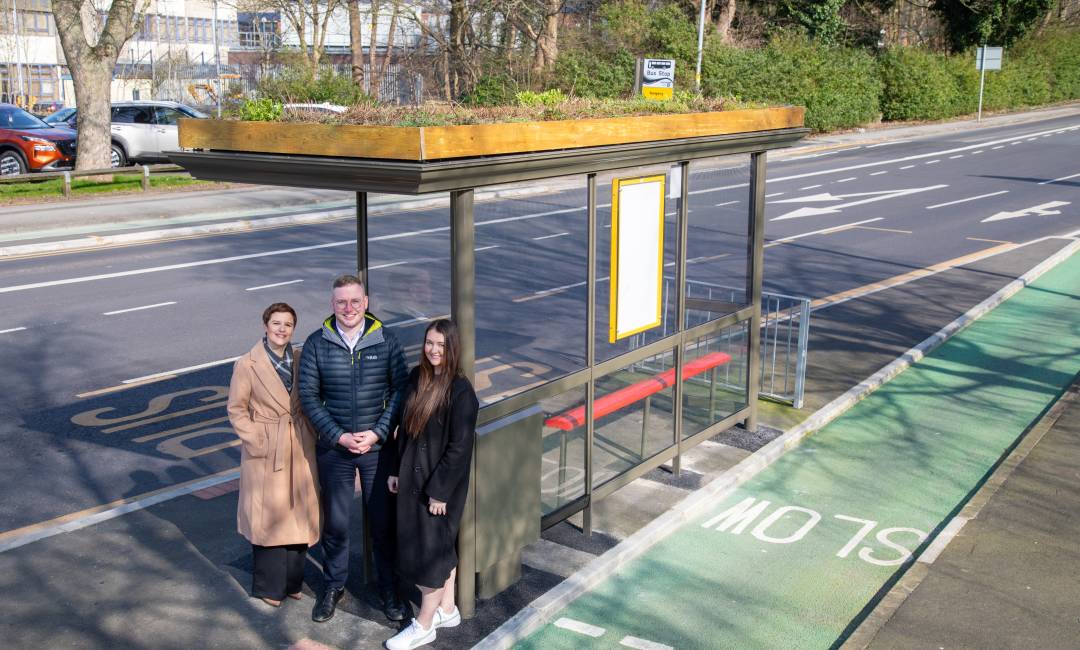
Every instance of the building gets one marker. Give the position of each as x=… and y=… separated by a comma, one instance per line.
x=173, y=54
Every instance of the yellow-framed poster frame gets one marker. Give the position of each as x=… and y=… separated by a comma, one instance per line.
x=619, y=229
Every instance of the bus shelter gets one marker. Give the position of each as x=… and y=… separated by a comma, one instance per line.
x=648, y=344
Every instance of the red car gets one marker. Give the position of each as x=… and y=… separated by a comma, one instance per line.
x=28, y=144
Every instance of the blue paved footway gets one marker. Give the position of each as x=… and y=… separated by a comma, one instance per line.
x=792, y=558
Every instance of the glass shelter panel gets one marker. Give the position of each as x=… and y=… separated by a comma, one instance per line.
x=409, y=276
x=531, y=272
x=634, y=415
x=715, y=374
x=671, y=174
x=717, y=238
x=562, y=469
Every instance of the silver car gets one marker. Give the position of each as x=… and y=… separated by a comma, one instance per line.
x=144, y=131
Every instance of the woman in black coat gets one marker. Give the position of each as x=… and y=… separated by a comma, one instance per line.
x=434, y=447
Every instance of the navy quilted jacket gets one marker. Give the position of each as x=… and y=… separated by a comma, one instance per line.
x=342, y=392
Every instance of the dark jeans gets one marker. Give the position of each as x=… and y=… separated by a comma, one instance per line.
x=279, y=570
x=337, y=476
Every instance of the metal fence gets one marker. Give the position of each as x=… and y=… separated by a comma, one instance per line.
x=785, y=331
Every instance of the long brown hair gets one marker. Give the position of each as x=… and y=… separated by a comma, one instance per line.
x=433, y=390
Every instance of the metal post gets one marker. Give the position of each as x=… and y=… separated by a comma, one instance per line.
x=67, y=185
x=362, y=239
x=680, y=309
x=145, y=178
x=217, y=60
x=645, y=425
x=700, y=47
x=590, y=351
x=463, y=311
x=755, y=256
x=982, y=79
x=800, y=362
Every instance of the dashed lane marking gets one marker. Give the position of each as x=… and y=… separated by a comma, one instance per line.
x=131, y=309
x=992, y=241
x=642, y=644
x=580, y=627
x=970, y=198
x=907, y=166
x=956, y=156
x=13, y=329
x=1000, y=146
x=932, y=162
x=879, y=173
x=558, y=234
x=270, y=286
x=810, y=187
x=904, y=232
x=845, y=180
x=1055, y=180
x=720, y=205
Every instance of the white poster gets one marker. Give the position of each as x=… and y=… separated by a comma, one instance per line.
x=637, y=255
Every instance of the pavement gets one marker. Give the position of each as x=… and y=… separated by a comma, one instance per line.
x=171, y=573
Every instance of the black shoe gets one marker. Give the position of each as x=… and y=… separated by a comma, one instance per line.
x=326, y=604
x=393, y=608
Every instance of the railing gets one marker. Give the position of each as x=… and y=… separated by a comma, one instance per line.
x=785, y=331
x=145, y=170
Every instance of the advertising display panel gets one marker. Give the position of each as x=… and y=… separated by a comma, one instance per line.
x=637, y=255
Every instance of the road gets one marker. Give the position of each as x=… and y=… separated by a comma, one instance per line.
x=118, y=359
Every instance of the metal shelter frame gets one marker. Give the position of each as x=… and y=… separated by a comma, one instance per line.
x=460, y=177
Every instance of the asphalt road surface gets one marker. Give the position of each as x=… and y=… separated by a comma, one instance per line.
x=117, y=360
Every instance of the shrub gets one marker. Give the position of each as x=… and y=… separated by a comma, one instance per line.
x=1059, y=48
x=298, y=84
x=587, y=73
x=552, y=97
x=918, y=85
x=839, y=86
x=491, y=90
x=263, y=109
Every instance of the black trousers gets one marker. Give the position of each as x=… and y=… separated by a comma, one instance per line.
x=337, y=476
x=279, y=570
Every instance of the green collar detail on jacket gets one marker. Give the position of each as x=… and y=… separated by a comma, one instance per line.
x=371, y=326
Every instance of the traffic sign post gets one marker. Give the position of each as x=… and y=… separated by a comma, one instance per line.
x=657, y=78
x=986, y=58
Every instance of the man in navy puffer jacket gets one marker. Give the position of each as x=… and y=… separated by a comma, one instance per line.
x=353, y=379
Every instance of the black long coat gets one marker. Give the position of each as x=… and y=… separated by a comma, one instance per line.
x=434, y=464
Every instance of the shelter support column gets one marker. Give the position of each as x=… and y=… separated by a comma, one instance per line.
x=362, y=238
x=755, y=262
x=680, y=309
x=463, y=311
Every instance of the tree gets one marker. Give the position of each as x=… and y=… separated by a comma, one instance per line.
x=91, y=50
x=310, y=20
x=994, y=22
x=356, y=47
x=538, y=20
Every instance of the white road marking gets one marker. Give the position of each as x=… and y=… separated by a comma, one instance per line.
x=879, y=173
x=13, y=329
x=418, y=319
x=558, y=234
x=580, y=627
x=487, y=248
x=886, y=144
x=1013, y=144
x=769, y=196
x=823, y=153
x=784, y=240
x=931, y=162
x=1030, y=140
x=845, y=180
x=1000, y=146
x=642, y=644
x=1044, y=209
x=171, y=373
x=810, y=187
x=720, y=205
x=970, y=198
x=907, y=166
x=276, y=284
x=959, y=155
x=283, y=251
x=124, y=311
x=975, y=152
x=874, y=196
x=1063, y=178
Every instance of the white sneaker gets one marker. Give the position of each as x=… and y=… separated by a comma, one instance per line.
x=453, y=619
x=413, y=636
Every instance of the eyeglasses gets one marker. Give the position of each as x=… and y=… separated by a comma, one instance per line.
x=356, y=303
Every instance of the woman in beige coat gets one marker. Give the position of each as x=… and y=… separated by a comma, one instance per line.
x=278, y=511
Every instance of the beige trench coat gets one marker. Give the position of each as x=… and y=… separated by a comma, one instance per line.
x=279, y=494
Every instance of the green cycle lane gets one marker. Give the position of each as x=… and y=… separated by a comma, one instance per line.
x=793, y=556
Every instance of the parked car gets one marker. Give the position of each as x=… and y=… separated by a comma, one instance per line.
x=62, y=117
x=143, y=131
x=27, y=143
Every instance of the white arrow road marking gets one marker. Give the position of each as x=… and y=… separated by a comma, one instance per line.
x=1045, y=209
x=874, y=196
